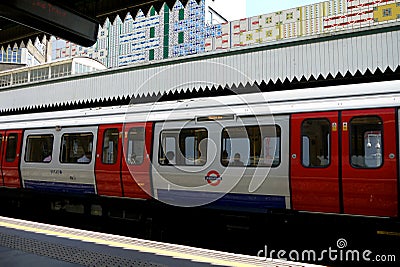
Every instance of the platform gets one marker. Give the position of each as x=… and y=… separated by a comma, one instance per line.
x=24, y=243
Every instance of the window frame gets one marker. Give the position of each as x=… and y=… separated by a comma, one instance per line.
x=259, y=165
x=27, y=144
x=7, y=147
x=102, y=147
x=382, y=143
x=128, y=162
x=76, y=133
x=176, y=133
x=329, y=144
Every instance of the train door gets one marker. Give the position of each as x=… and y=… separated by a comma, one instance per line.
x=314, y=162
x=108, y=160
x=10, y=158
x=369, y=167
x=2, y=138
x=187, y=168
x=349, y=168
x=136, y=164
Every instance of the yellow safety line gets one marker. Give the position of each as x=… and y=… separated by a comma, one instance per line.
x=388, y=233
x=163, y=252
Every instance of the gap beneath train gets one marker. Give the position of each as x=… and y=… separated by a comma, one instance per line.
x=241, y=232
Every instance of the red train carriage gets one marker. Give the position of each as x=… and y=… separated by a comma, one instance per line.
x=325, y=150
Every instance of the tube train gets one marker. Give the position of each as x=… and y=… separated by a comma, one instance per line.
x=324, y=150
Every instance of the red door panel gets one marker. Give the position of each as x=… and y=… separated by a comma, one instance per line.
x=11, y=158
x=369, y=162
x=136, y=161
x=314, y=162
x=108, y=160
x=2, y=139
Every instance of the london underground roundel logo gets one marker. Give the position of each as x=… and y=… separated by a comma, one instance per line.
x=213, y=178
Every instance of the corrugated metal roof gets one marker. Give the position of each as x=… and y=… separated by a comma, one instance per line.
x=349, y=52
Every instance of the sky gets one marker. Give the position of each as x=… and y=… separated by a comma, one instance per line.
x=259, y=7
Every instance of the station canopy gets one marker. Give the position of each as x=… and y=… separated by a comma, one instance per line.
x=73, y=20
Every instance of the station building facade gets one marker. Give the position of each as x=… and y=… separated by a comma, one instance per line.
x=29, y=54
x=172, y=32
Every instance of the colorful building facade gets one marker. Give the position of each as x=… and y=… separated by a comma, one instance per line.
x=319, y=18
x=178, y=31
x=29, y=55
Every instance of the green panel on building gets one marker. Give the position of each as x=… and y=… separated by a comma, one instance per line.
x=166, y=32
x=181, y=38
x=181, y=14
x=152, y=11
x=151, y=54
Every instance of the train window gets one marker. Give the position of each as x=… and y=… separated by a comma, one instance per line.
x=76, y=148
x=193, y=146
x=192, y=150
x=251, y=146
x=11, y=149
x=110, y=146
x=167, y=149
x=39, y=148
x=315, y=143
x=366, y=147
x=136, y=142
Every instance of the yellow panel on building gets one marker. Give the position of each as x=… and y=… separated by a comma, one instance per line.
x=387, y=12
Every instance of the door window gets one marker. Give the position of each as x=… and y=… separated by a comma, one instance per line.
x=192, y=150
x=11, y=150
x=315, y=143
x=366, y=146
x=76, y=148
x=251, y=146
x=168, y=149
x=110, y=146
x=39, y=148
x=136, y=142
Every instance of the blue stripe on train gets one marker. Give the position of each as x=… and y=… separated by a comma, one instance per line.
x=56, y=187
x=231, y=201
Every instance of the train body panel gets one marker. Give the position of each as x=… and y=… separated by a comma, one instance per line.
x=65, y=162
x=258, y=179
x=345, y=162
x=369, y=162
x=314, y=163
x=108, y=160
x=10, y=158
x=2, y=139
x=137, y=143
x=123, y=160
